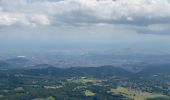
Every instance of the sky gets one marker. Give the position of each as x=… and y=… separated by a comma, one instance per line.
x=140, y=25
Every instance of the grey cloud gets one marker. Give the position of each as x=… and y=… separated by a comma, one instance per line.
x=80, y=12
x=159, y=29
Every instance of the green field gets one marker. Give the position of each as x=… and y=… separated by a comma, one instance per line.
x=48, y=98
x=89, y=93
x=135, y=94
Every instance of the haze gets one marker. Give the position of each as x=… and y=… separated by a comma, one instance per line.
x=139, y=26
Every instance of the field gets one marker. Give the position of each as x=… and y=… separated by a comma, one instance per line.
x=48, y=98
x=135, y=94
x=89, y=93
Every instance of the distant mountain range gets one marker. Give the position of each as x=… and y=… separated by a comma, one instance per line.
x=24, y=65
x=18, y=62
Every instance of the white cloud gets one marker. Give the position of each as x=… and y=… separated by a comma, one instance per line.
x=46, y=12
x=8, y=19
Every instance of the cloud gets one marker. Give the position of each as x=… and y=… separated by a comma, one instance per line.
x=154, y=29
x=8, y=19
x=84, y=12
